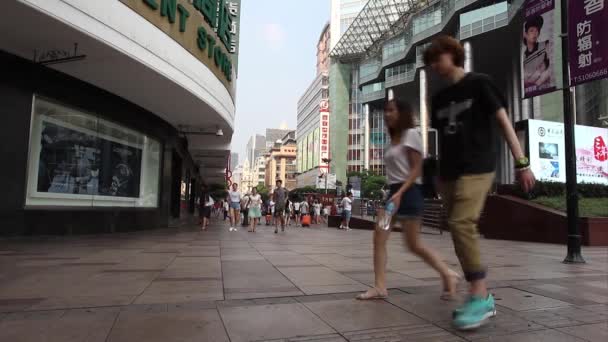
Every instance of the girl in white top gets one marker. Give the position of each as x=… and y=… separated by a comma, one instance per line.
x=403, y=160
x=255, y=208
x=234, y=196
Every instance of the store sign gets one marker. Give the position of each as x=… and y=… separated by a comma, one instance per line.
x=541, y=48
x=324, y=138
x=202, y=27
x=234, y=8
x=548, y=152
x=587, y=40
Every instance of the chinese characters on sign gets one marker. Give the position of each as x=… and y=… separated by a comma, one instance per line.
x=588, y=47
x=539, y=67
x=324, y=139
x=234, y=8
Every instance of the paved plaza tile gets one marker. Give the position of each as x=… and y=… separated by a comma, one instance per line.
x=187, y=285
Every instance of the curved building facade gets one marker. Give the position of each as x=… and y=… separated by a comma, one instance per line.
x=116, y=111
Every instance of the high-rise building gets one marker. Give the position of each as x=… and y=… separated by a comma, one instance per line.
x=274, y=134
x=323, y=49
x=256, y=146
x=234, y=160
x=343, y=13
x=281, y=162
x=365, y=73
x=345, y=120
x=312, y=137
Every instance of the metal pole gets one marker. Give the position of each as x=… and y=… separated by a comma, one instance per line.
x=574, y=255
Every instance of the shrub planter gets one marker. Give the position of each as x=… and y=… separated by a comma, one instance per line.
x=512, y=218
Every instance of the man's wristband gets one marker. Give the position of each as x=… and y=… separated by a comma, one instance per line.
x=522, y=163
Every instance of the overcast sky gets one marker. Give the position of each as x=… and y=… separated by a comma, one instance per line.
x=277, y=62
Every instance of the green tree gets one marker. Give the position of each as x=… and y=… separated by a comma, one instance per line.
x=218, y=191
x=371, y=183
x=263, y=191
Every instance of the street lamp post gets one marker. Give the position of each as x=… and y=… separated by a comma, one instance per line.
x=326, y=161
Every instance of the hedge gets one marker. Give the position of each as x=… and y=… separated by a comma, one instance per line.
x=554, y=189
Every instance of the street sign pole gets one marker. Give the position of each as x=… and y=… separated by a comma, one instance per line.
x=574, y=255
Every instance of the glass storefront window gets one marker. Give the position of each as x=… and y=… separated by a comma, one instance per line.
x=79, y=159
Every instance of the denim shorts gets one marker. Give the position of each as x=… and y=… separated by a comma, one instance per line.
x=235, y=205
x=412, y=201
x=346, y=214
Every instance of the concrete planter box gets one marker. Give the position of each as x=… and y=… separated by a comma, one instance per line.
x=512, y=218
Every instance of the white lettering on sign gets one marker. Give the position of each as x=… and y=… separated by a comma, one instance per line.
x=233, y=8
x=324, y=138
x=593, y=6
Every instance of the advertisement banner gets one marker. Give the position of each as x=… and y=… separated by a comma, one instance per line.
x=299, y=157
x=540, y=65
x=548, y=152
x=305, y=154
x=331, y=181
x=316, y=160
x=324, y=134
x=76, y=162
x=587, y=40
x=309, y=150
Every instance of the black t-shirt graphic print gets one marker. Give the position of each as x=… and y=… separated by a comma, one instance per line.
x=464, y=115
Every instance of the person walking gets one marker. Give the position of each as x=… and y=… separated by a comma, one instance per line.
x=225, y=208
x=245, y=210
x=255, y=209
x=234, y=196
x=205, y=205
x=280, y=198
x=403, y=160
x=288, y=212
x=316, y=208
x=347, y=207
x=465, y=115
x=304, y=211
x=296, y=211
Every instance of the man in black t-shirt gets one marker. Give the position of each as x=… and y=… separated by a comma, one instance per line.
x=465, y=115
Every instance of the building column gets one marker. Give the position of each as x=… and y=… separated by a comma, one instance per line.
x=468, y=57
x=366, y=136
x=424, y=113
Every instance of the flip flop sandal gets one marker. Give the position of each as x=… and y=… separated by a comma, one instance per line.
x=371, y=294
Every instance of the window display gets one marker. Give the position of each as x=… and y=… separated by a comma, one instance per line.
x=79, y=159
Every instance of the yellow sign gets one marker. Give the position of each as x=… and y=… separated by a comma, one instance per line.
x=202, y=27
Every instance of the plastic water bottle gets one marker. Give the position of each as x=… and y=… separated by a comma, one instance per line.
x=389, y=211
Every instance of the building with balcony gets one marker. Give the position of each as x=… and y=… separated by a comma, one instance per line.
x=117, y=111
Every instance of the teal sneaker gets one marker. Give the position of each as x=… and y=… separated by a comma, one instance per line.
x=474, y=313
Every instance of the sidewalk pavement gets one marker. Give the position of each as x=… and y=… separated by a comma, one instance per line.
x=188, y=285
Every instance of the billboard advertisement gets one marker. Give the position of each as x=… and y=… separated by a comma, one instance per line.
x=587, y=40
x=324, y=134
x=316, y=160
x=540, y=62
x=310, y=147
x=548, y=153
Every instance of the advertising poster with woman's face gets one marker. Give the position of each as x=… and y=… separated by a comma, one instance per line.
x=538, y=48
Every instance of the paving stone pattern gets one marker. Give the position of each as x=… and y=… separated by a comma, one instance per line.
x=187, y=285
